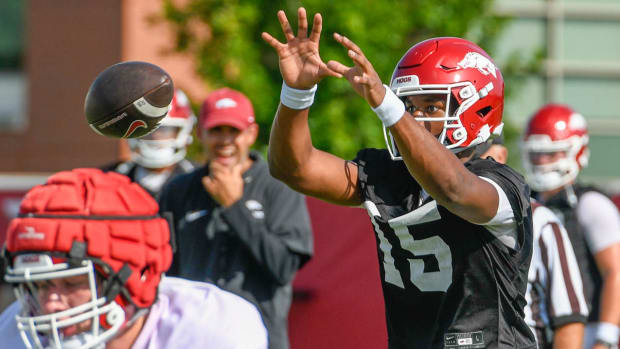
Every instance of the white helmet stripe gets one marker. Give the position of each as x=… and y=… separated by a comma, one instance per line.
x=148, y=109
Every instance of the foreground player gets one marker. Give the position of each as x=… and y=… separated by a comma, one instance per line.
x=160, y=156
x=555, y=149
x=453, y=236
x=86, y=256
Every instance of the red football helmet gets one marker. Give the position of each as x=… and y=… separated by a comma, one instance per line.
x=467, y=76
x=559, y=133
x=86, y=222
x=166, y=145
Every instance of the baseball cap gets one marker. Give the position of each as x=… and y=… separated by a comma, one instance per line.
x=226, y=107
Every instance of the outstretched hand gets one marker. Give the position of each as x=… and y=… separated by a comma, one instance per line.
x=362, y=76
x=301, y=65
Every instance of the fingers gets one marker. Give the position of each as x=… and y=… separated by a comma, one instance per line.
x=355, y=53
x=363, y=80
x=359, y=59
x=338, y=67
x=208, y=184
x=347, y=43
x=317, y=27
x=327, y=71
x=302, y=23
x=286, y=26
x=273, y=42
x=237, y=169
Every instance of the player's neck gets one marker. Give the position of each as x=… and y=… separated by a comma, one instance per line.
x=127, y=336
x=465, y=156
x=161, y=170
x=546, y=195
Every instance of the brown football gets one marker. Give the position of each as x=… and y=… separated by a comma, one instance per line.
x=128, y=99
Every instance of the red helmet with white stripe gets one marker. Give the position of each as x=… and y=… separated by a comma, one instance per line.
x=560, y=134
x=86, y=222
x=167, y=145
x=467, y=76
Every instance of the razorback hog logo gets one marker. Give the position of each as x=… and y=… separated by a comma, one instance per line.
x=133, y=127
x=577, y=122
x=478, y=61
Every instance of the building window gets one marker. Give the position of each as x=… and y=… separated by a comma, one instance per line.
x=13, y=82
x=579, y=39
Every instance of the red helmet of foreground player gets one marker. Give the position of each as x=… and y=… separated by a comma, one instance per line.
x=467, y=76
x=86, y=222
x=554, y=128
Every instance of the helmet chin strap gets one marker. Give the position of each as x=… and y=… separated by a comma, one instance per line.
x=77, y=341
x=571, y=197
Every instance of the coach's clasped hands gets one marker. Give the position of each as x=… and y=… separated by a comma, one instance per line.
x=225, y=184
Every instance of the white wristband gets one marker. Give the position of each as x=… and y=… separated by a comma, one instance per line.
x=607, y=332
x=297, y=99
x=391, y=108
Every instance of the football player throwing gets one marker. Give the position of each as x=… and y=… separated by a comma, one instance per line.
x=454, y=234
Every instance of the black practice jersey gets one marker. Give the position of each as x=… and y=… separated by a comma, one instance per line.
x=447, y=283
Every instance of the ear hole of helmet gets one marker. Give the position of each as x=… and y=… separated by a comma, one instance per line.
x=484, y=111
x=115, y=283
x=454, y=105
x=143, y=273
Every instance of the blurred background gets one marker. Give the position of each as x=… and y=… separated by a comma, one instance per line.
x=564, y=51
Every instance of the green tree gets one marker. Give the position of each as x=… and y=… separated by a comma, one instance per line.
x=11, y=34
x=224, y=36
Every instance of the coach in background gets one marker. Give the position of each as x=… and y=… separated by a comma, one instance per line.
x=556, y=309
x=554, y=150
x=237, y=226
x=160, y=156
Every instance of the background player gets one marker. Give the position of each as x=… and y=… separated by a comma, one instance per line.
x=454, y=240
x=554, y=150
x=160, y=156
x=86, y=256
x=556, y=309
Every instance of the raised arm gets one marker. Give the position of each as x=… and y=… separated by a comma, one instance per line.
x=437, y=170
x=443, y=175
x=292, y=157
